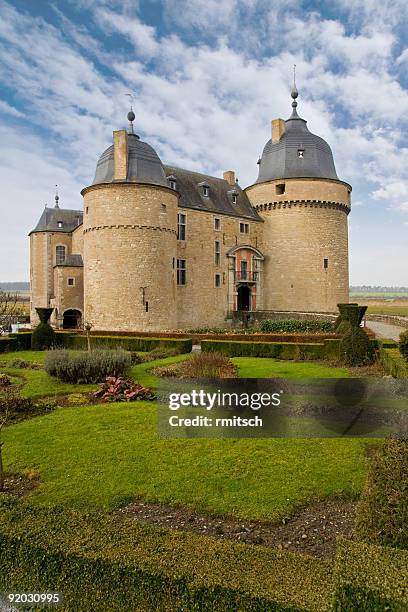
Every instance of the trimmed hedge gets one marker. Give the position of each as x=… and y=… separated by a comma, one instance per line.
x=403, y=344
x=128, y=343
x=87, y=367
x=103, y=562
x=382, y=512
x=7, y=344
x=294, y=325
x=393, y=362
x=278, y=350
x=370, y=578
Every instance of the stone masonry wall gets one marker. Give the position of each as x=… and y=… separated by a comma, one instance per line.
x=302, y=228
x=129, y=253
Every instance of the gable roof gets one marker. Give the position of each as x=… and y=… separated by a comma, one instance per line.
x=70, y=219
x=189, y=185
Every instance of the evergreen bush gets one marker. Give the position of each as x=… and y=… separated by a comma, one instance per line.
x=356, y=348
x=43, y=336
x=403, y=344
x=87, y=367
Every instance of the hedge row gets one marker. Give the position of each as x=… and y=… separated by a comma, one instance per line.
x=382, y=513
x=279, y=350
x=370, y=578
x=15, y=342
x=295, y=325
x=22, y=341
x=128, y=343
x=103, y=562
x=393, y=362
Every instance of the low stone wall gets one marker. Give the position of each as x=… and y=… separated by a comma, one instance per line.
x=389, y=319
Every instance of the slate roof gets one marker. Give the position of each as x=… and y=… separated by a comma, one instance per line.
x=189, y=185
x=281, y=159
x=50, y=218
x=144, y=164
x=73, y=261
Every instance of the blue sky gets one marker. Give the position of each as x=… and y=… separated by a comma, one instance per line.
x=207, y=78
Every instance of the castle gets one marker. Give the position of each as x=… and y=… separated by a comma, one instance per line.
x=158, y=248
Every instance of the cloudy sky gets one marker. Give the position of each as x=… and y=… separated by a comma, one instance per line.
x=207, y=78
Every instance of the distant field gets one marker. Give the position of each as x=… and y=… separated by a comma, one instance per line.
x=379, y=295
x=390, y=309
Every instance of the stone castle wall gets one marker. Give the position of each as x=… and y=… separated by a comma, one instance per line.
x=130, y=250
x=200, y=302
x=303, y=227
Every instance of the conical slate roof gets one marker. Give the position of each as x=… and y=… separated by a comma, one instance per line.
x=144, y=164
x=298, y=153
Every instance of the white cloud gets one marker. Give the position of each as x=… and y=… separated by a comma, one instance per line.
x=205, y=107
x=10, y=110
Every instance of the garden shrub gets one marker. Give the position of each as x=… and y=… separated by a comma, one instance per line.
x=128, y=343
x=208, y=365
x=393, y=362
x=382, y=513
x=160, y=353
x=403, y=344
x=370, y=578
x=87, y=367
x=43, y=336
x=277, y=350
x=122, y=390
x=129, y=565
x=356, y=348
x=15, y=406
x=5, y=381
x=22, y=364
x=293, y=325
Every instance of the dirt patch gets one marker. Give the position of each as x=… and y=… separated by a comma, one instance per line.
x=20, y=485
x=312, y=530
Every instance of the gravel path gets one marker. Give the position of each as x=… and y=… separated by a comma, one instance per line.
x=384, y=330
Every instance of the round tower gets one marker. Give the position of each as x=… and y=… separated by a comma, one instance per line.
x=304, y=206
x=130, y=239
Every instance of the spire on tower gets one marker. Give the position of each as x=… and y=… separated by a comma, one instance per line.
x=294, y=94
x=56, y=197
x=131, y=114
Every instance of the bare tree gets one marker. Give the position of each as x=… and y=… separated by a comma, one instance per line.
x=9, y=308
x=3, y=421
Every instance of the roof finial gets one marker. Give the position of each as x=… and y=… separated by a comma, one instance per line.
x=56, y=197
x=294, y=93
x=131, y=114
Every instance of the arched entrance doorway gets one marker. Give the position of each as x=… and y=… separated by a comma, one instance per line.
x=72, y=319
x=244, y=297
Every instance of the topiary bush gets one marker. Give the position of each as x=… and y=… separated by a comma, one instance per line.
x=356, y=348
x=403, y=344
x=87, y=367
x=43, y=336
x=382, y=513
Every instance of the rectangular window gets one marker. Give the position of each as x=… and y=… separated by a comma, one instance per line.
x=71, y=282
x=59, y=223
x=325, y=263
x=244, y=228
x=217, y=253
x=181, y=271
x=280, y=189
x=218, y=280
x=217, y=223
x=181, y=226
x=59, y=255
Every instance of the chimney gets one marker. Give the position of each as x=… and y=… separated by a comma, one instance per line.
x=229, y=176
x=120, y=155
x=278, y=129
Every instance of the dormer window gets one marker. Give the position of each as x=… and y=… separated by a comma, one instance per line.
x=172, y=182
x=59, y=223
x=300, y=153
x=234, y=198
x=233, y=193
x=205, y=189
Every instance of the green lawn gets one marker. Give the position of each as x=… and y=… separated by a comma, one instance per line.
x=101, y=456
x=264, y=367
x=388, y=309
